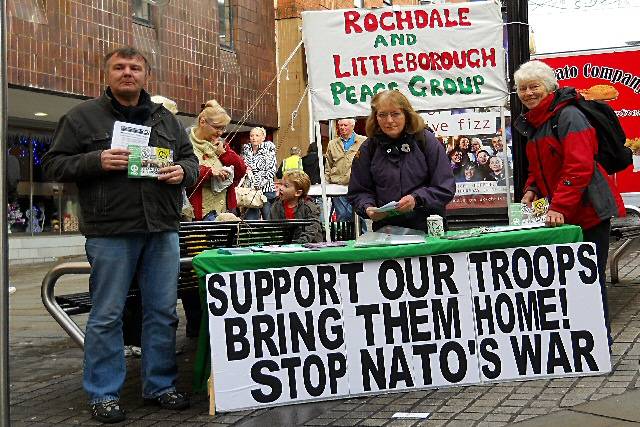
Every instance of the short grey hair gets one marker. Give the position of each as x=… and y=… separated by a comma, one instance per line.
x=536, y=70
x=347, y=119
x=261, y=130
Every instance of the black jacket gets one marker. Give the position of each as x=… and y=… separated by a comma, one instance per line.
x=110, y=202
x=306, y=209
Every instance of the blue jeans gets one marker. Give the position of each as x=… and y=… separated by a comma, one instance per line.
x=155, y=259
x=265, y=210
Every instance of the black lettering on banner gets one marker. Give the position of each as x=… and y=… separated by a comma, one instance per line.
x=337, y=369
x=400, y=321
x=442, y=267
x=245, y=306
x=448, y=322
x=565, y=259
x=259, y=377
x=505, y=313
x=484, y=313
x=583, y=351
x=302, y=331
x=290, y=364
x=540, y=253
x=264, y=287
x=592, y=268
x=367, y=311
x=417, y=320
x=557, y=354
x=352, y=270
x=414, y=291
x=525, y=353
x=232, y=338
x=499, y=267
x=314, y=361
x=522, y=255
x=281, y=285
x=327, y=281
x=487, y=352
x=282, y=328
x=399, y=369
x=396, y=268
x=477, y=259
x=371, y=368
x=219, y=294
x=304, y=272
x=545, y=309
x=265, y=336
x=528, y=318
x=336, y=329
x=447, y=373
x=425, y=351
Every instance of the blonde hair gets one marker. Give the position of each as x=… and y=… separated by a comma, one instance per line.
x=215, y=113
x=413, y=122
x=166, y=103
x=300, y=181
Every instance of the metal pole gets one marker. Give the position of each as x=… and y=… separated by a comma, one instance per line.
x=4, y=243
x=518, y=53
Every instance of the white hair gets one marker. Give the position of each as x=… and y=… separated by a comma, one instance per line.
x=347, y=119
x=536, y=70
x=261, y=130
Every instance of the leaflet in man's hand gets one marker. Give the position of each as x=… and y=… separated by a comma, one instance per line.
x=146, y=162
x=126, y=134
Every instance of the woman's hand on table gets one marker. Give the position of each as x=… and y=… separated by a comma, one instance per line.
x=554, y=218
x=406, y=204
x=529, y=197
x=375, y=215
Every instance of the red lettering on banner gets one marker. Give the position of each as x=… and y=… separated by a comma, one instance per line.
x=435, y=16
x=473, y=63
x=383, y=24
x=336, y=66
x=489, y=57
x=398, y=62
x=370, y=22
x=422, y=18
x=447, y=19
x=385, y=67
x=463, y=17
x=434, y=59
x=406, y=20
x=350, y=24
x=363, y=67
x=411, y=61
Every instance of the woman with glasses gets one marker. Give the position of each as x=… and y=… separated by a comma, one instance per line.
x=221, y=168
x=399, y=162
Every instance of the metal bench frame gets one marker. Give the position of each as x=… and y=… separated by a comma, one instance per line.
x=194, y=237
x=628, y=232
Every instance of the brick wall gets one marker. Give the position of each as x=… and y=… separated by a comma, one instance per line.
x=293, y=8
x=58, y=45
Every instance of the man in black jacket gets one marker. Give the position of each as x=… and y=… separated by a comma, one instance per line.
x=131, y=226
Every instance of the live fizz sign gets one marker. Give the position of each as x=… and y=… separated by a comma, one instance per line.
x=440, y=56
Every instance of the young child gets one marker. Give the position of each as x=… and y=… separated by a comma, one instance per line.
x=293, y=204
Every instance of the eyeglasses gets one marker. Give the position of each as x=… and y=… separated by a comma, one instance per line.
x=218, y=128
x=395, y=115
x=532, y=87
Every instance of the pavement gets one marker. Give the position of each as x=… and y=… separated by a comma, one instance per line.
x=46, y=379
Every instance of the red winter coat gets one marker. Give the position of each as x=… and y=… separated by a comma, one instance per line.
x=562, y=168
x=229, y=158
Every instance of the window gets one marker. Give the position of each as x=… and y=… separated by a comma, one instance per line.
x=142, y=12
x=225, y=20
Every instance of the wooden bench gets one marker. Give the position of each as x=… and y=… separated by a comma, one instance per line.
x=194, y=238
x=625, y=230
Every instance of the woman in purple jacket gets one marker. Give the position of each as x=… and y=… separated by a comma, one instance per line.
x=400, y=161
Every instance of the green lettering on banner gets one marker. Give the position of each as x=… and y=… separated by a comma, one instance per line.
x=422, y=91
x=380, y=40
x=336, y=89
x=365, y=93
x=411, y=39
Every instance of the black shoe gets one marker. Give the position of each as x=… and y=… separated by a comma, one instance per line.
x=170, y=400
x=108, y=412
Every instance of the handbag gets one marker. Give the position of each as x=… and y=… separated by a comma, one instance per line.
x=248, y=197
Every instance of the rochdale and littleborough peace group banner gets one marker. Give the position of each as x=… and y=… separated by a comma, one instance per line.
x=440, y=56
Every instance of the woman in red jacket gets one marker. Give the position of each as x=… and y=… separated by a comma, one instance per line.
x=561, y=163
x=216, y=160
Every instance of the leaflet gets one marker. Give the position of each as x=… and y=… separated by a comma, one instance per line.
x=146, y=162
x=126, y=134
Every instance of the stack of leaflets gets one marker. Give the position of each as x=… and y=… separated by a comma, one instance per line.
x=146, y=162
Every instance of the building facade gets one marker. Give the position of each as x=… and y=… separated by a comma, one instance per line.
x=198, y=49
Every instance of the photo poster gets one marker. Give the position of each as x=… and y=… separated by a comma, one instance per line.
x=440, y=56
x=318, y=332
x=476, y=153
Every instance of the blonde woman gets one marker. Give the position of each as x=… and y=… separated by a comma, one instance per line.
x=215, y=157
x=260, y=157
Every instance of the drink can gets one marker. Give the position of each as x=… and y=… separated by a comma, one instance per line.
x=435, y=226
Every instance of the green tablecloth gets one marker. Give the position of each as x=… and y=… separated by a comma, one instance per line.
x=213, y=262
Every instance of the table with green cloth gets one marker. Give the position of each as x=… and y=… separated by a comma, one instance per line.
x=212, y=261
